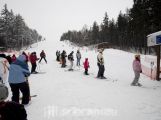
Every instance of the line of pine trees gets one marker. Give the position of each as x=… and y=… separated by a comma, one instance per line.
x=14, y=33
x=128, y=32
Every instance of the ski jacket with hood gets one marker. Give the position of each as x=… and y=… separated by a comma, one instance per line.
x=18, y=70
x=137, y=66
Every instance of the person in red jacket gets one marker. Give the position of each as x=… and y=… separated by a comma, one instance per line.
x=33, y=59
x=13, y=58
x=86, y=66
x=43, y=56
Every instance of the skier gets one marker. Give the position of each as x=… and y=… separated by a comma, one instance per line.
x=86, y=66
x=71, y=59
x=78, y=56
x=10, y=110
x=63, y=59
x=100, y=63
x=43, y=56
x=137, y=70
x=17, y=81
x=33, y=59
x=26, y=61
x=58, y=55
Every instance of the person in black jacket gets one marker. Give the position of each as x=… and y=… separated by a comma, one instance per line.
x=10, y=110
x=43, y=56
x=63, y=59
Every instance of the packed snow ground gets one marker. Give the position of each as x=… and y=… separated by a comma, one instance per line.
x=64, y=95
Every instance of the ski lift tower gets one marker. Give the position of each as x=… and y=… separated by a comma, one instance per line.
x=154, y=39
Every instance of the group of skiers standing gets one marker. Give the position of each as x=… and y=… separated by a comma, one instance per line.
x=61, y=57
x=18, y=82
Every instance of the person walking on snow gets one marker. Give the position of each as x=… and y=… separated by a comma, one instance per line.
x=43, y=56
x=17, y=81
x=10, y=110
x=100, y=63
x=86, y=66
x=78, y=56
x=71, y=59
x=137, y=70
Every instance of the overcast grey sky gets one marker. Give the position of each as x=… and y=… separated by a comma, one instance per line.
x=51, y=18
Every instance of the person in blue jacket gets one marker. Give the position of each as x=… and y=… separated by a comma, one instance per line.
x=17, y=72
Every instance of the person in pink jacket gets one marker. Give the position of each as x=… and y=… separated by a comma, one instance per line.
x=86, y=66
x=137, y=70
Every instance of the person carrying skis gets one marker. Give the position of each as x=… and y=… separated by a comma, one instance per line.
x=137, y=70
x=63, y=59
x=33, y=59
x=10, y=110
x=43, y=56
x=78, y=56
x=17, y=72
x=71, y=59
x=86, y=66
x=100, y=63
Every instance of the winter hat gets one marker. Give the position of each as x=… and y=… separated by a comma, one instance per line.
x=21, y=58
x=137, y=56
x=3, y=92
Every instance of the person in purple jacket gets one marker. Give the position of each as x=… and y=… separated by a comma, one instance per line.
x=137, y=70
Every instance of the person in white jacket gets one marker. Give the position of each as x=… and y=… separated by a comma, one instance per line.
x=100, y=63
x=4, y=65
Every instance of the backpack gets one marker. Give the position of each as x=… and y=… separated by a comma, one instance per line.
x=69, y=57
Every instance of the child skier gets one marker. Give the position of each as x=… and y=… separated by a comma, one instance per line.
x=78, y=56
x=71, y=59
x=86, y=66
x=137, y=70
